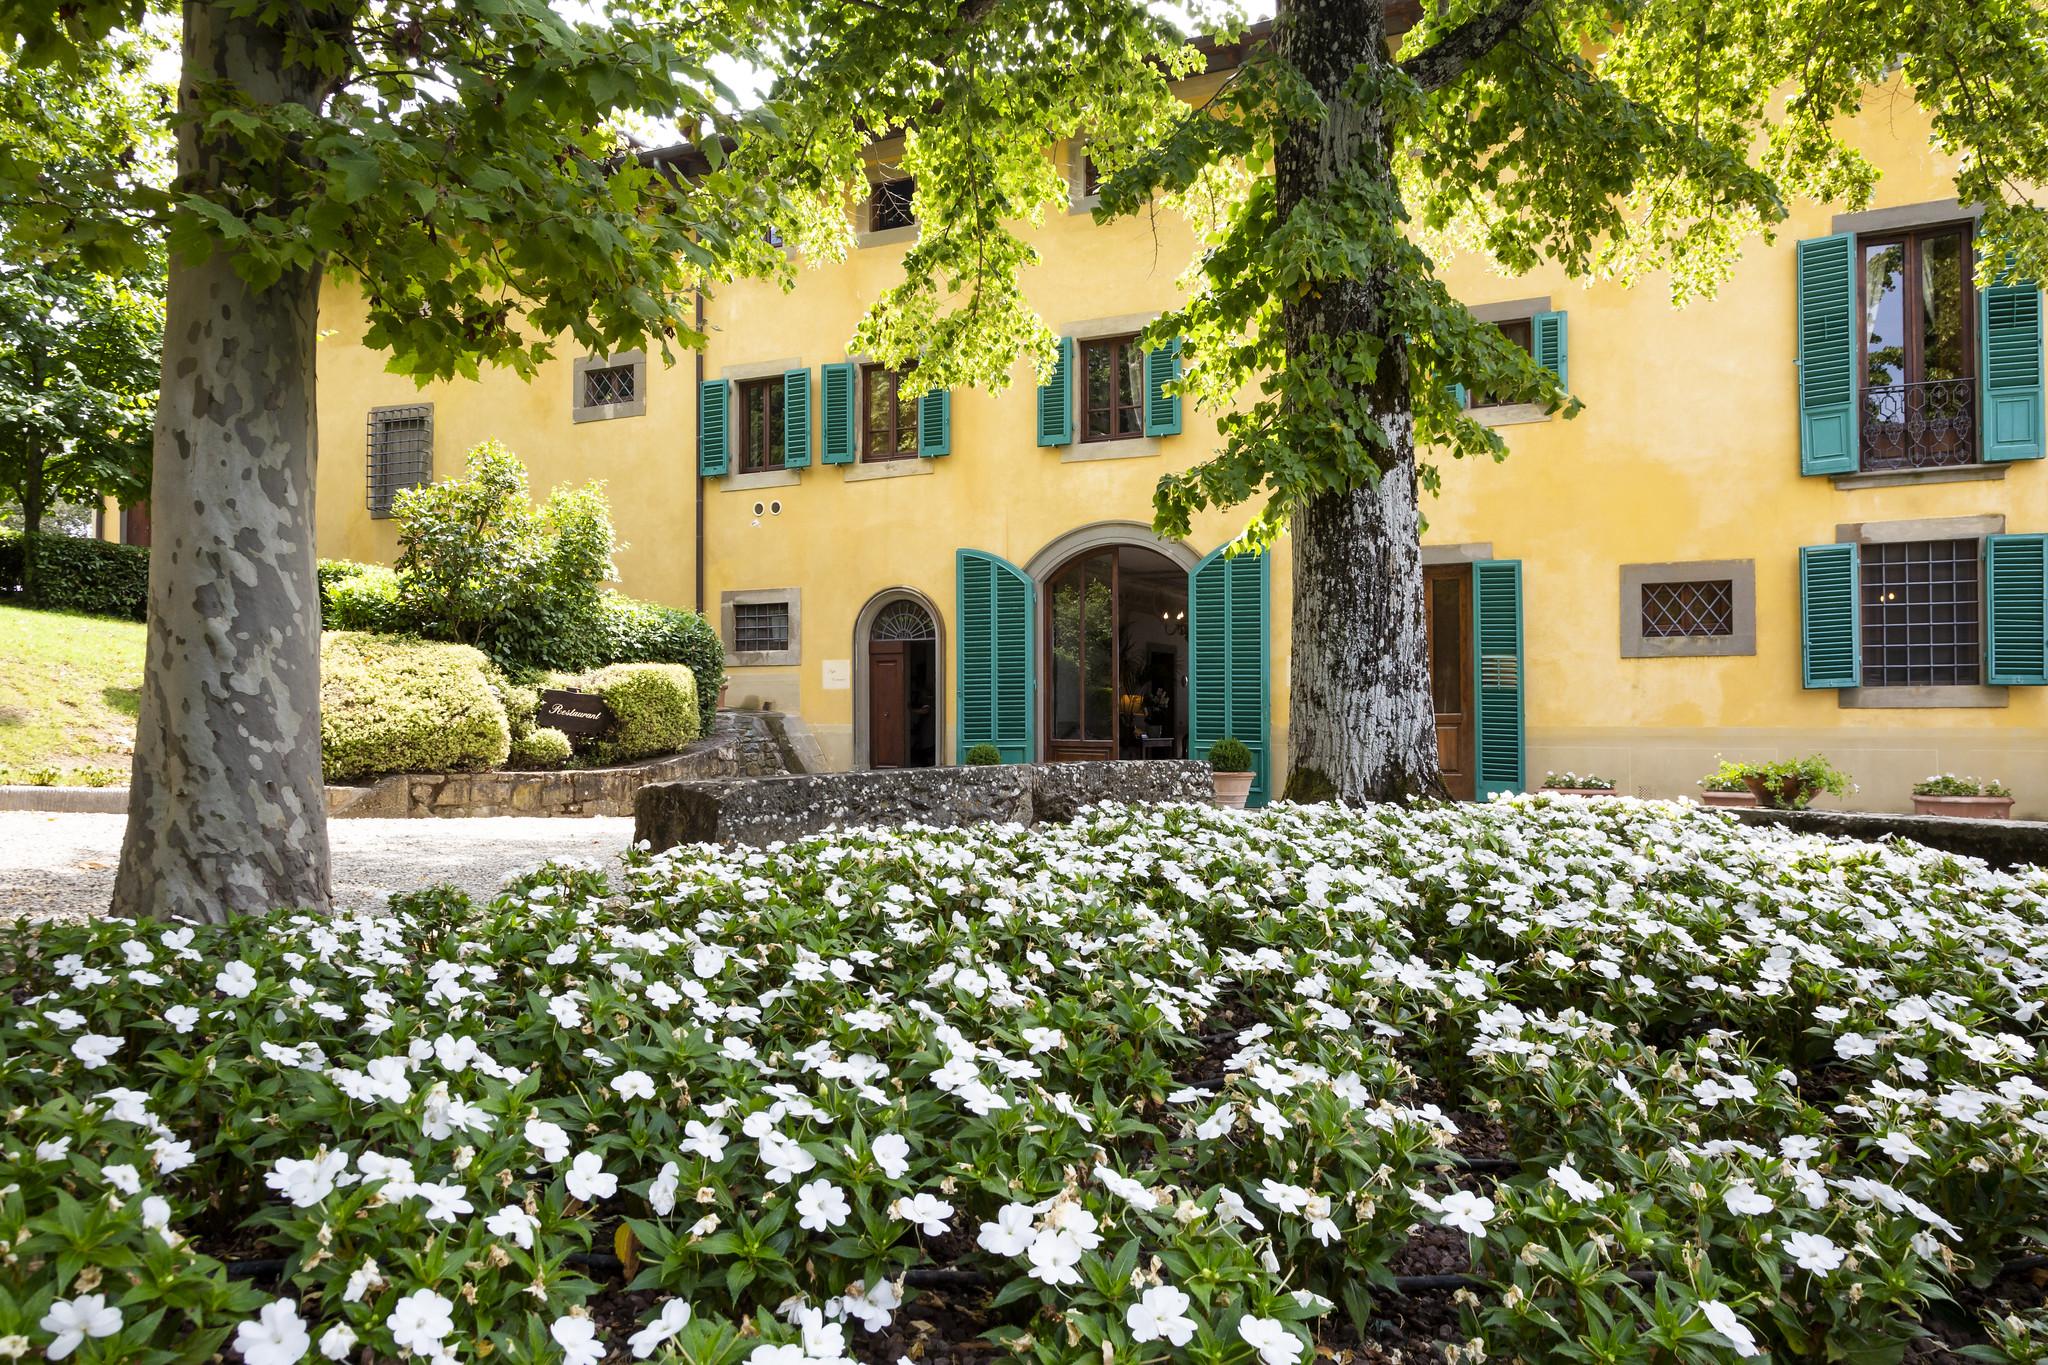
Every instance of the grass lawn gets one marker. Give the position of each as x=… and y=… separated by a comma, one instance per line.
x=69, y=688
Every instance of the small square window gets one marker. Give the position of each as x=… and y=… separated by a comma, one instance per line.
x=1922, y=614
x=889, y=204
x=757, y=426
x=612, y=384
x=1700, y=608
x=760, y=627
x=1688, y=609
x=400, y=446
x=889, y=415
x=609, y=386
x=1112, y=383
x=1520, y=331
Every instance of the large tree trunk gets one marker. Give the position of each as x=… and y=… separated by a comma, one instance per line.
x=1361, y=725
x=226, y=810
x=33, y=500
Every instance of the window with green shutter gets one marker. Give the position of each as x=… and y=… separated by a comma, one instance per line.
x=835, y=385
x=2013, y=416
x=997, y=676
x=1056, y=400
x=714, y=402
x=796, y=418
x=1497, y=695
x=1830, y=643
x=2016, y=609
x=1229, y=659
x=1547, y=344
x=935, y=423
x=1162, y=409
x=1826, y=289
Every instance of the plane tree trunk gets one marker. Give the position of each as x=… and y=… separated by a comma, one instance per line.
x=226, y=809
x=1361, y=723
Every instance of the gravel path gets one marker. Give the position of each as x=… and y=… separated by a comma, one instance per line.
x=62, y=866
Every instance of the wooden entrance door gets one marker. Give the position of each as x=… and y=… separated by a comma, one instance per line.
x=1082, y=657
x=889, y=703
x=1447, y=618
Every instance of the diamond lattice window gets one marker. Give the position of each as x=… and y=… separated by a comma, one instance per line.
x=1679, y=611
x=612, y=384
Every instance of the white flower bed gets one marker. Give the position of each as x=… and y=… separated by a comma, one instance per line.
x=1162, y=1084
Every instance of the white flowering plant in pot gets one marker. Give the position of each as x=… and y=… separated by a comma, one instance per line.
x=1161, y=1084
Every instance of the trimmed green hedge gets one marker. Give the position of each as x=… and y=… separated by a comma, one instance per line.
x=647, y=632
x=361, y=597
x=654, y=705
x=76, y=573
x=542, y=748
x=390, y=705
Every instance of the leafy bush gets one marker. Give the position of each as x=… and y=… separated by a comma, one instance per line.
x=984, y=755
x=1726, y=777
x=366, y=598
x=1229, y=755
x=391, y=705
x=77, y=573
x=1786, y=783
x=1582, y=781
x=647, y=632
x=1948, y=784
x=654, y=707
x=1161, y=1085
x=541, y=748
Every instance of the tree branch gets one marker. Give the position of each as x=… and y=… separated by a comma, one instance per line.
x=1446, y=59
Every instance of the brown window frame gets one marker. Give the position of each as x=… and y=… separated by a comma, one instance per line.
x=1931, y=422
x=895, y=200
x=1520, y=331
x=747, y=460
x=898, y=429
x=1136, y=407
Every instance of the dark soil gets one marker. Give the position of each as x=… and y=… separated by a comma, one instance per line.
x=1434, y=1250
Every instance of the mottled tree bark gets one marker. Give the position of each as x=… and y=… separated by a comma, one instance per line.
x=1361, y=724
x=226, y=810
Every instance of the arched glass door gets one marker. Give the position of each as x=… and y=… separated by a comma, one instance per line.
x=903, y=683
x=1116, y=633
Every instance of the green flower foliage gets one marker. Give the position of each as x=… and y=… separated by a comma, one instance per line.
x=390, y=705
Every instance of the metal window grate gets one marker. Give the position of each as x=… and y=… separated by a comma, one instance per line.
x=903, y=621
x=1686, y=610
x=400, y=444
x=760, y=627
x=612, y=384
x=889, y=204
x=1922, y=614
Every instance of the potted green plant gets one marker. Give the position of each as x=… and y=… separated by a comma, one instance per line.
x=1962, y=797
x=1724, y=786
x=1578, y=784
x=1792, y=783
x=984, y=755
x=1230, y=764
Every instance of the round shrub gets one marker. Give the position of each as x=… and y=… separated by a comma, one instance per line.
x=984, y=755
x=542, y=748
x=1229, y=755
x=654, y=707
x=392, y=705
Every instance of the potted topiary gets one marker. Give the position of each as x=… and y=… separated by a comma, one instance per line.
x=1230, y=765
x=1724, y=786
x=984, y=755
x=1962, y=797
x=1792, y=783
x=1578, y=784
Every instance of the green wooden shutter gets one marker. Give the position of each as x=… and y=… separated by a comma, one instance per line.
x=1497, y=661
x=2016, y=593
x=796, y=419
x=1830, y=633
x=1056, y=400
x=1162, y=409
x=1547, y=344
x=1826, y=268
x=998, y=673
x=2011, y=335
x=1461, y=397
x=935, y=423
x=835, y=385
x=1229, y=659
x=714, y=399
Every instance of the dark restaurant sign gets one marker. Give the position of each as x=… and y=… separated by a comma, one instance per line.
x=573, y=713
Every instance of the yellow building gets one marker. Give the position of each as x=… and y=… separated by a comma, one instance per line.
x=1774, y=530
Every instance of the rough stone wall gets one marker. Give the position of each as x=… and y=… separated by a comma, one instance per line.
x=763, y=810
x=2001, y=843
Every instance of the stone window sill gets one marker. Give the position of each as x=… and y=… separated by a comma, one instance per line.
x=1128, y=448
x=1920, y=698
x=886, y=236
x=1898, y=478
x=763, y=478
x=1509, y=415
x=905, y=468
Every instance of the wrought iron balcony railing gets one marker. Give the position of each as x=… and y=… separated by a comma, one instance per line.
x=1920, y=426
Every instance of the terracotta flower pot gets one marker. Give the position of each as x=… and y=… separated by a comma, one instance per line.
x=1965, y=807
x=1741, y=799
x=1793, y=794
x=1232, y=789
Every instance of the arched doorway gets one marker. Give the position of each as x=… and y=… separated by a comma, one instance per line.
x=897, y=684
x=1115, y=634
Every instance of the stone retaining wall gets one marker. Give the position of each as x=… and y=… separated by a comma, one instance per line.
x=762, y=810
x=2001, y=843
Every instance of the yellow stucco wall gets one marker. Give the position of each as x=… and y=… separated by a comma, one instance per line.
x=1688, y=449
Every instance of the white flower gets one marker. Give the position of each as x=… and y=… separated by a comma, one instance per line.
x=1722, y=1319
x=124, y=1178
x=1899, y=1147
x=785, y=1158
x=1798, y=1147
x=1286, y=1198
x=673, y=1318
x=1744, y=1200
x=588, y=1180
x=1160, y=1314
x=420, y=1321
x=337, y=1341
x=707, y=1140
x=444, y=1201
x=1465, y=1211
x=306, y=1183
x=633, y=1085
x=277, y=1336
x=181, y=1018
x=550, y=1139
x=892, y=1154
x=577, y=1336
x=1851, y=1045
x=1567, y=1178
x=73, y=1320
x=1271, y=1339
x=821, y=1205
x=94, y=1049
x=661, y=1194
x=515, y=1224
x=1010, y=1234
x=235, y=980
x=928, y=1213
x=1054, y=1254
x=1811, y=1251
x=362, y=1280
